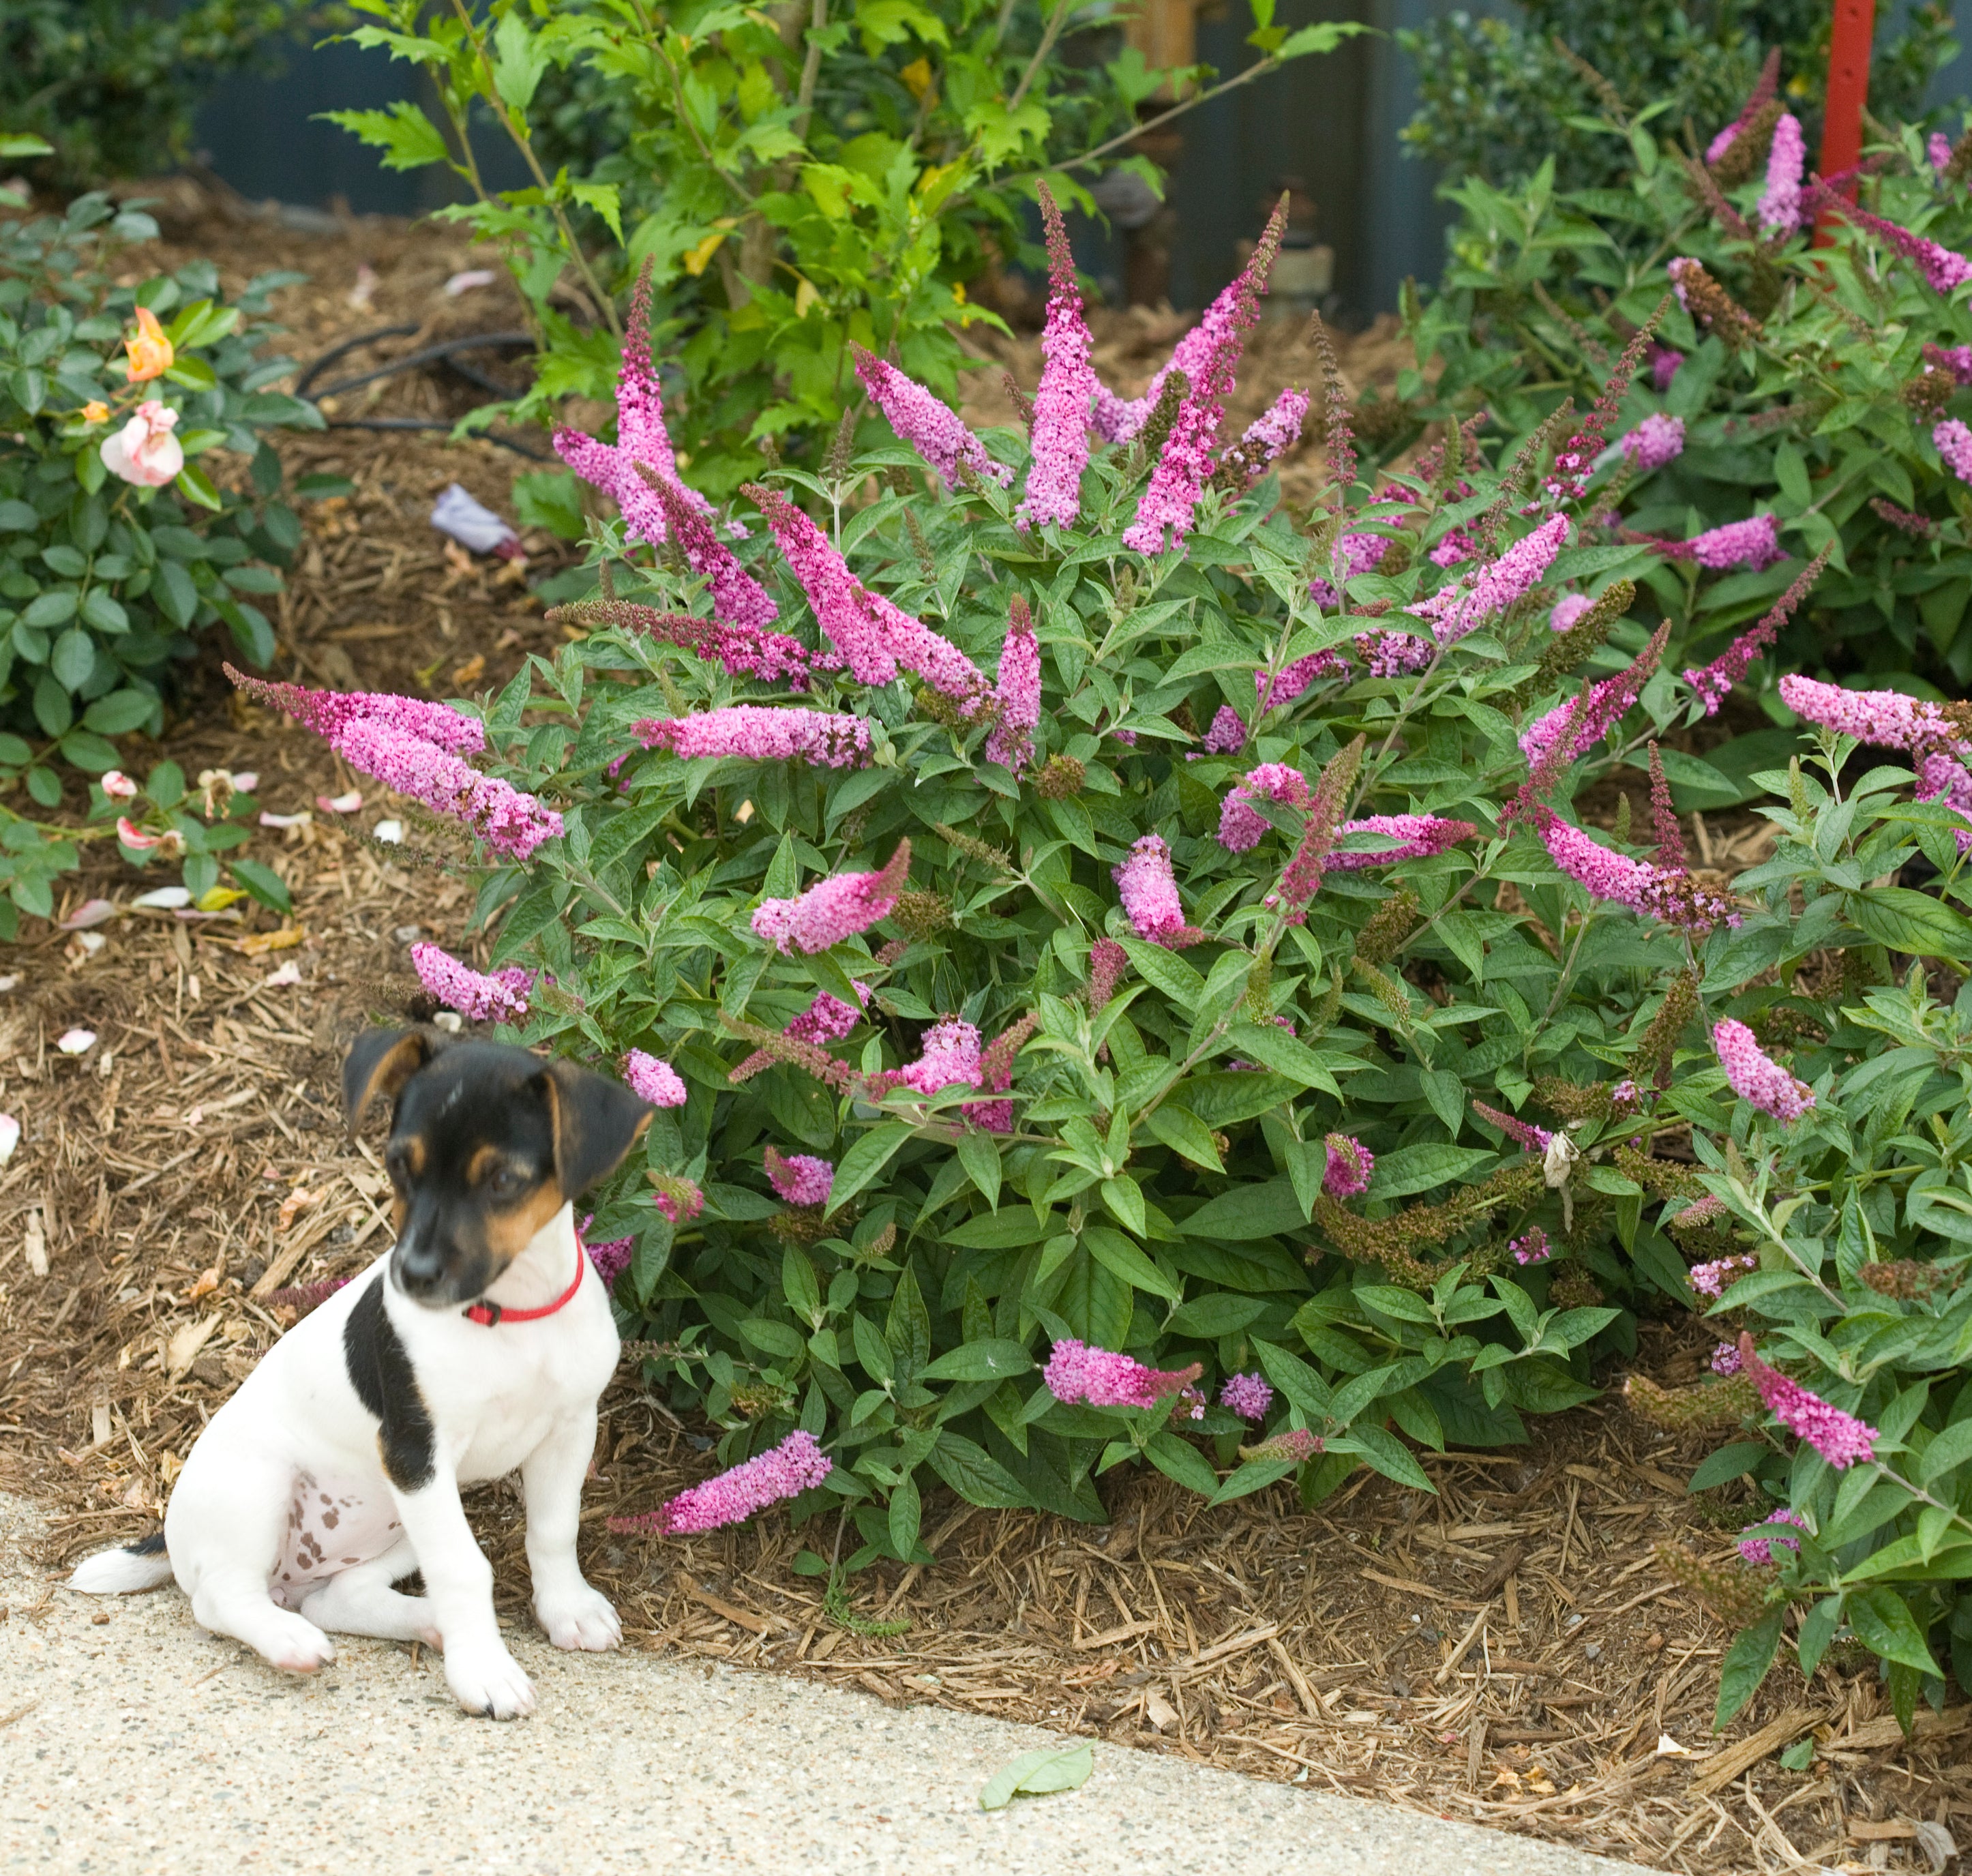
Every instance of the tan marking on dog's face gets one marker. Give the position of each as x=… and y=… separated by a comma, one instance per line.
x=511, y=1228
x=485, y=1161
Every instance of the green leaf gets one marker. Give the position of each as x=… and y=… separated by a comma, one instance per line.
x=1125, y=1198
x=1817, y=1630
x=907, y=1327
x=1183, y=1132
x=1911, y=922
x=1884, y=1624
x=1388, y=1454
x=1115, y=1253
x=1729, y=1461
x=1248, y=1211
x=408, y=138
x=1950, y=1449
x=119, y=713
x=979, y=1154
x=906, y=1514
x=1180, y=1461
x=519, y=62
x=1745, y=1666
x=974, y=1474
x=1423, y=1168
x=72, y=659
x=980, y=1360
x=263, y=883
x=1035, y=1774
x=867, y=1157
x=1218, y=1313
x=195, y=485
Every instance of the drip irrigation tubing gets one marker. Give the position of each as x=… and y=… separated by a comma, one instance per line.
x=444, y=352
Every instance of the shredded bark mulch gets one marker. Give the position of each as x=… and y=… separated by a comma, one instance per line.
x=1506, y=1650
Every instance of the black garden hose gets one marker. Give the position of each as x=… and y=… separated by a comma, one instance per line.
x=444, y=352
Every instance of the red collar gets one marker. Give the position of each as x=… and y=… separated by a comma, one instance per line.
x=490, y=1314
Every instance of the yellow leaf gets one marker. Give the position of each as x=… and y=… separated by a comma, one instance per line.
x=958, y=292
x=805, y=296
x=257, y=944
x=917, y=75
x=697, y=259
x=218, y=898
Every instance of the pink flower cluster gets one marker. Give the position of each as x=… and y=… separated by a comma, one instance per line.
x=1275, y=431
x=1534, y=1248
x=1938, y=148
x=745, y=650
x=1457, y=610
x=1240, y=829
x=1076, y=1373
x=1841, y=1439
x=611, y=1258
x=795, y=1465
x=1710, y=1280
x=1567, y=610
x=738, y=599
x=415, y=748
x=1664, y=892
x=1350, y=1164
x=835, y=909
x=1572, y=728
x=1454, y=549
x=1725, y=1362
x=800, y=1178
x=1714, y=682
x=477, y=997
x=1119, y=418
x=1296, y=678
x=1247, y=1395
x=1656, y=440
x=761, y=733
x=676, y=1197
x=1107, y=961
x=1067, y=390
x=1956, y=359
x=1758, y=1549
x=1755, y=1076
x=1523, y=1132
x=1394, y=654
x=937, y=434
x=651, y=1079
x=1664, y=362
x=1946, y=269
x=1754, y=543
x=1226, y=733
x=1418, y=836
x=1887, y=718
x=1149, y=892
x=1781, y=206
x=827, y=1018
x=1294, y=1444
x=1011, y=741
x=947, y=1057
x=1944, y=778
x=1953, y=442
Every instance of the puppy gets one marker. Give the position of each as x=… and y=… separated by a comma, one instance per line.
x=335, y=1469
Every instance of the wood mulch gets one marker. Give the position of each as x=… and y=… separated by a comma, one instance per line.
x=1506, y=1650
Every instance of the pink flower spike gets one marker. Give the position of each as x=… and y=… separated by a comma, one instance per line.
x=1524, y=1132
x=1943, y=267
x=1939, y=149
x=1753, y=544
x=1060, y=451
x=947, y=1057
x=1567, y=610
x=1725, y=1361
x=1456, y=610
x=1664, y=892
x=1297, y=678
x=800, y=1178
x=1664, y=362
x=1714, y=682
x=1350, y=1163
x=796, y=1464
x=1226, y=735
x=1076, y=1373
x=1011, y=741
x=480, y=998
x=677, y=1199
x=761, y=733
x=1149, y=892
x=1534, y=1248
x=836, y=909
x=1247, y=1395
x=1755, y=1076
x=1416, y=837
x=1944, y=778
x=936, y=432
x=651, y=1079
x=1757, y=1549
x=1656, y=440
x=843, y=607
x=1296, y=1445
x=1840, y=1438
x=1711, y=1279
x=1779, y=208
x=611, y=1258
x=328, y=712
x=505, y=819
x=1953, y=441
x=1886, y=717
x=738, y=599
x=1240, y=829
x=1272, y=433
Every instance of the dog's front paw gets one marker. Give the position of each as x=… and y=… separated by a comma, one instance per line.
x=487, y=1680
x=580, y=1618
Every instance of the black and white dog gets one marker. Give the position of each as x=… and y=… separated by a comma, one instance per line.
x=335, y=1470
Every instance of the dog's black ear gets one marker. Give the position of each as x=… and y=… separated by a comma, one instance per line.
x=380, y=1061
x=596, y=1121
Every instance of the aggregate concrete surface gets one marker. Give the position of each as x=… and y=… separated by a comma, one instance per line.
x=142, y=1742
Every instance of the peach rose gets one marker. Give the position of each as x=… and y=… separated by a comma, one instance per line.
x=151, y=354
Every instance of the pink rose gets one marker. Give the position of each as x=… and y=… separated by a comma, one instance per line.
x=118, y=785
x=144, y=451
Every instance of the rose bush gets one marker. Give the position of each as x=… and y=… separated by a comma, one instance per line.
x=115, y=543
x=1116, y=968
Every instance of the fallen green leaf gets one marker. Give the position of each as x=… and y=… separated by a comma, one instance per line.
x=1033, y=1774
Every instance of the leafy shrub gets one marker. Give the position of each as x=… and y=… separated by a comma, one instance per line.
x=103, y=580
x=1281, y=1090
x=1498, y=97
x=1813, y=388
x=793, y=190
x=112, y=85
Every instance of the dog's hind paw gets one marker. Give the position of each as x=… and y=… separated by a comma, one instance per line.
x=583, y=1618
x=298, y=1645
x=488, y=1681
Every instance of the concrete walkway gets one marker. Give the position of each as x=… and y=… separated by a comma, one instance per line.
x=141, y=1743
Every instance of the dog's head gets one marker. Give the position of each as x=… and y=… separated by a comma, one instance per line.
x=488, y=1142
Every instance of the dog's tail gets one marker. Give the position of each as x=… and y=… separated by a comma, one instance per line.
x=140, y=1566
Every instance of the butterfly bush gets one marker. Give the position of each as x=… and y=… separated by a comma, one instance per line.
x=1133, y=969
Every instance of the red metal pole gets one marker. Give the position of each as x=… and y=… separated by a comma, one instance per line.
x=1848, y=85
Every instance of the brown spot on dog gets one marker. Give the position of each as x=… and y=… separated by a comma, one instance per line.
x=509, y=1232
x=331, y=1517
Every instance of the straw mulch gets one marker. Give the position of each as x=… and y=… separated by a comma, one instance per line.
x=1506, y=1650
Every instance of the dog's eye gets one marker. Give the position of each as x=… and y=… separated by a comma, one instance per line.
x=504, y=1183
